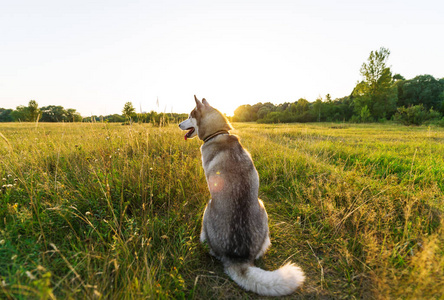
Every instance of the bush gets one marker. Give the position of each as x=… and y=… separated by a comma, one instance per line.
x=354, y=119
x=365, y=114
x=437, y=122
x=415, y=115
x=434, y=115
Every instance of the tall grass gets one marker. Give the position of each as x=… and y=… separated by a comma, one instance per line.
x=109, y=211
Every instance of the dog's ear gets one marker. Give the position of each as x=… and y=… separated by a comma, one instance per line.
x=205, y=102
x=198, y=103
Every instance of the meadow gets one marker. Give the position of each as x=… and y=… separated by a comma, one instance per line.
x=105, y=211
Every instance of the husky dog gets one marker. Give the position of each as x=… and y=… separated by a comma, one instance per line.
x=235, y=223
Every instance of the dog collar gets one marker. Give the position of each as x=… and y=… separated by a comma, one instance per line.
x=214, y=135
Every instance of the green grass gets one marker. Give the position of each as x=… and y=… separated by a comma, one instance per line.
x=104, y=211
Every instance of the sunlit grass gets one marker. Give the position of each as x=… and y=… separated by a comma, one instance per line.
x=111, y=211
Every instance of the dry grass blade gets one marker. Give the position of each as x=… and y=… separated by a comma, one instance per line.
x=6, y=140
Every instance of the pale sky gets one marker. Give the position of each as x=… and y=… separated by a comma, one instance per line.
x=96, y=55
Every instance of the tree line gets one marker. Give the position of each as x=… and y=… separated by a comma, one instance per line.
x=56, y=113
x=378, y=97
x=129, y=116
x=32, y=113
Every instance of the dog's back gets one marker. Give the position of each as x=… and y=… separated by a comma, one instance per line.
x=235, y=223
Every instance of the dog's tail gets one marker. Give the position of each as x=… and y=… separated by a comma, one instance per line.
x=280, y=282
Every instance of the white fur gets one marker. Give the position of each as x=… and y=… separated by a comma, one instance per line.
x=203, y=235
x=190, y=123
x=264, y=248
x=280, y=282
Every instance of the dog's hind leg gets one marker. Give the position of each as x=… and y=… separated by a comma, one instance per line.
x=267, y=241
x=265, y=246
x=203, y=234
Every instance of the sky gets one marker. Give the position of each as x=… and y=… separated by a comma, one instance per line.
x=94, y=56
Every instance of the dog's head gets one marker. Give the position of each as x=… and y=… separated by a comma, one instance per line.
x=204, y=120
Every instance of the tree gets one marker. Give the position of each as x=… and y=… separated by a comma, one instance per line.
x=28, y=113
x=129, y=111
x=5, y=115
x=385, y=97
x=375, y=66
x=265, y=109
x=115, y=118
x=245, y=113
x=302, y=106
x=423, y=89
x=53, y=113
x=21, y=114
x=283, y=106
x=376, y=90
x=73, y=116
x=34, y=111
x=398, y=77
x=317, y=107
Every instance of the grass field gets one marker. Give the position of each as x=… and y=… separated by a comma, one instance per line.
x=105, y=211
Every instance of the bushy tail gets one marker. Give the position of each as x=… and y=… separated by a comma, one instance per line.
x=280, y=282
